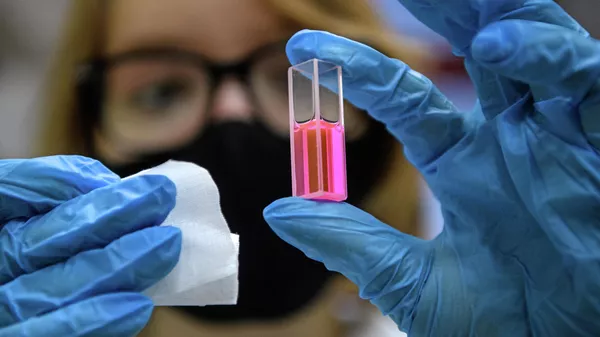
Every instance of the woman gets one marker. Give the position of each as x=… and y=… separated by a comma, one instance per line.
x=142, y=81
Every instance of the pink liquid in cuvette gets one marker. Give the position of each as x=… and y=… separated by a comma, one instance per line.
x=319, y=161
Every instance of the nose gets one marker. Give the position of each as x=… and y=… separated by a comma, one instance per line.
x=231, y=102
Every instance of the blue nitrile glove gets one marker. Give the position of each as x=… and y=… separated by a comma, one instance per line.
x=460, y=20
x=78, y=245
x=520, y=192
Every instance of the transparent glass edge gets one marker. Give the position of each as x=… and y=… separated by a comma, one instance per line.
x=292, y=121
x=308, y=66
x=340, y=94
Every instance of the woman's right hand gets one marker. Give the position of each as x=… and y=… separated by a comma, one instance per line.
x=78, y=245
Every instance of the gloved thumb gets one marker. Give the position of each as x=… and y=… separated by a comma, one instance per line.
x=388, y=266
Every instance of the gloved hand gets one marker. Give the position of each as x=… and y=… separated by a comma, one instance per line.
x=520, y=190
x=78, y=245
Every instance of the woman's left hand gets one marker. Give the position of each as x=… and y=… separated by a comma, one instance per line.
x=519, y=189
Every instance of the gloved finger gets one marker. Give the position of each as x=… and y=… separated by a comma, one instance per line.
x=34, y=186
x=561, y=67
x=554, y=61
x=497, y=93
x=388, y=266
x=87, y=222
x=115, y=315
x=459, y=21
x=134, y=262
x=413, y=109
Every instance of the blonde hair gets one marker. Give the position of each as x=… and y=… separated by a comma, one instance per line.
x=395, y=201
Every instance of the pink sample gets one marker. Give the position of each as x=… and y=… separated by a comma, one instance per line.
x=317, y=131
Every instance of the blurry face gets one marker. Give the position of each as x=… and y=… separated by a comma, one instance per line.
x=160, y=104
x=205, y=81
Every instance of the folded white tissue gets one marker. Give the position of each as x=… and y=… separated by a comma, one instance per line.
x=207, y=271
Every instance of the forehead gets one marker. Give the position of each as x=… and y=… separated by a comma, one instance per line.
x=223, y=30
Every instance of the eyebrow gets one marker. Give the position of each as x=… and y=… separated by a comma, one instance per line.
x=153, y=50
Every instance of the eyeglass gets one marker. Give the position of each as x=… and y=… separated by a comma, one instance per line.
x=148, y=97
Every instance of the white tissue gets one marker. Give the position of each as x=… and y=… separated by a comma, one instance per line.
x=207, y=271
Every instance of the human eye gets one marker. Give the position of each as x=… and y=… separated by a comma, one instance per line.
x=160, y=97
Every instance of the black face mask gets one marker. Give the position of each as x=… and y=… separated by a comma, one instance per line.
x=251, y=167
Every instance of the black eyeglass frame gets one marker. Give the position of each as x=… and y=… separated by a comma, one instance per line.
x=91, y=77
